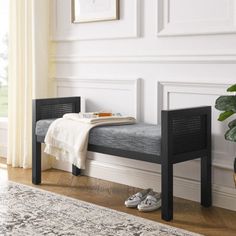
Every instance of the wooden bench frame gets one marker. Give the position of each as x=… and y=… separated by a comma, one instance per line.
x=186, y=135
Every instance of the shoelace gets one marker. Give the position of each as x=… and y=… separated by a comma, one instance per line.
x=149, y=200
x=135, y=196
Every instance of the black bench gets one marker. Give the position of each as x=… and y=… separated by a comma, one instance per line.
x=185, y=135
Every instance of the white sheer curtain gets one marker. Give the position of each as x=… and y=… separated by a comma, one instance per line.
x=23, y=77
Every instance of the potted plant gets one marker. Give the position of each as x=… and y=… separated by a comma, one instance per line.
x=227, y=106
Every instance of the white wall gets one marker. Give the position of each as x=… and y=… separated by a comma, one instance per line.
x=160, y=54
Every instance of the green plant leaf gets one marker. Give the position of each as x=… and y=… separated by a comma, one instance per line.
x=232, y=88
x=226, y=103
x=224, y=115
x=232, y=124
x=231, y=134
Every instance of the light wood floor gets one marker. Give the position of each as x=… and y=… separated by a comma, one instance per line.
x=187, y=214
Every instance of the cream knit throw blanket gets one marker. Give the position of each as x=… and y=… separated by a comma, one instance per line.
x=67, y=137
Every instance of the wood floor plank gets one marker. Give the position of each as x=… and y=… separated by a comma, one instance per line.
x=187, y=214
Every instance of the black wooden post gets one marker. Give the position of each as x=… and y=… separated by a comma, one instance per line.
x=206, y=189
x=166, y=168
x=206, y=195
x=167, y=191
x=36, y=148
x=75, y=170
x=36, y=163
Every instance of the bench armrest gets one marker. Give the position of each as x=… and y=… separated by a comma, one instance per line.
x=185, y=131
x=52, y=108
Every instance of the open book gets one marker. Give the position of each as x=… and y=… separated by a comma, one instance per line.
x=97, y=114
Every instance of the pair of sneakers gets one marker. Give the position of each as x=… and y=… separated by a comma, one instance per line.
x=146, y=200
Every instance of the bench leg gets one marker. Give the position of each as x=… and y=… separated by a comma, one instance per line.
x=36, y=163
x=75, y=170
x=167, y=191
x=206, y=192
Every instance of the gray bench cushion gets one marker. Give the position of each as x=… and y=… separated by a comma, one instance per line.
x=141, y=137
x=42, y=127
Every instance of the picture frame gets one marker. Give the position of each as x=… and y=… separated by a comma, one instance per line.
x=85, y=11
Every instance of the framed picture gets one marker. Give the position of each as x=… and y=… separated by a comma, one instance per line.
x=94, y=10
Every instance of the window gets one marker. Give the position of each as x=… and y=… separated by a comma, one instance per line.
x=4, y=7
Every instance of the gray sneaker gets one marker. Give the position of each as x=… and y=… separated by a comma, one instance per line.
x=137, y=198
x=151, y=203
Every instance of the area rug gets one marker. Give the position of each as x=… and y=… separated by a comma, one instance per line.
x=29, y=211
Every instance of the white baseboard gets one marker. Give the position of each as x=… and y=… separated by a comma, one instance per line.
x=224, y=197
x=100, y=166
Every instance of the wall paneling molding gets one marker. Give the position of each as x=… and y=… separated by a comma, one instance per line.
x=186, y=17
x=147, y=58
x=64, y=31
x=127, y=88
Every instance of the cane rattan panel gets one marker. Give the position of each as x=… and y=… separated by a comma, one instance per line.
x=189, y=134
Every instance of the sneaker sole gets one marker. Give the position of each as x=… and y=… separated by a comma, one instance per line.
x=150, y=209
x=131, y=206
